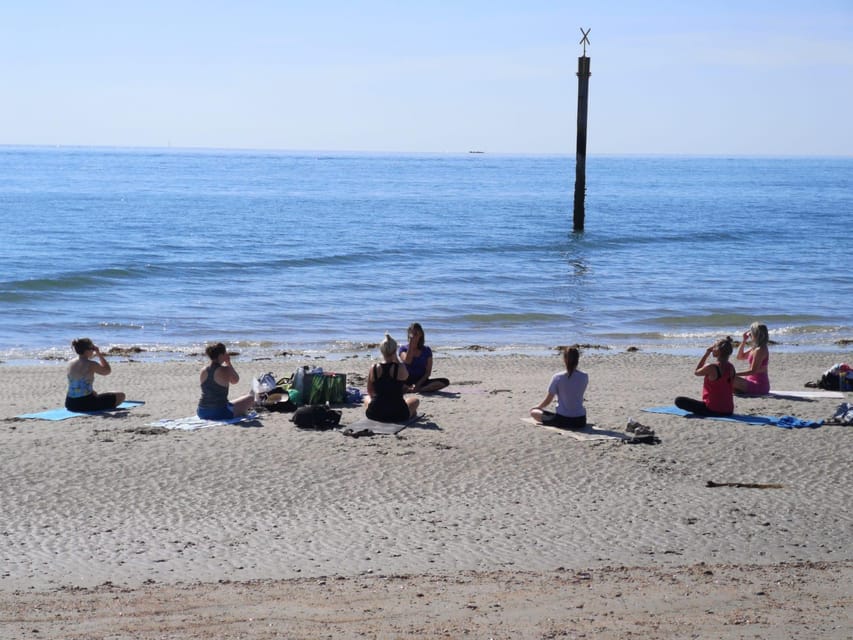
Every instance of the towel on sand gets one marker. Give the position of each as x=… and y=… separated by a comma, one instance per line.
x=63, y=414
x=579, y=434
x=194, y=423
x=786, y=422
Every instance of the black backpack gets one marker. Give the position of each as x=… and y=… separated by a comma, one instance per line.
x=835, y=382
x=316, y=416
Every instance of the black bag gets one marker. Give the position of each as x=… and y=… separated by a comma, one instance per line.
x=835, y=382
x=316, y=416
x=281, y=406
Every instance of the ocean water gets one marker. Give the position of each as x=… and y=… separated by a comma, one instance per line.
x=170, y=249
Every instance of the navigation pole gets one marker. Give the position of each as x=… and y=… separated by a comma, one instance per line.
x=580, y=153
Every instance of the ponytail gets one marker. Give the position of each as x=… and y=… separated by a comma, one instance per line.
x=571, y=357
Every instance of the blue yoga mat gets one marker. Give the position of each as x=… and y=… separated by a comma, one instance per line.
x=786, y=422
x=63, y=414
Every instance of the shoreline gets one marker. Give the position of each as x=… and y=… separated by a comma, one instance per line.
x=469, y=501
x=334, y=352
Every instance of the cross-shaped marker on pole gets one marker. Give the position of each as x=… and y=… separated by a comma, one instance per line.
x=585, y=40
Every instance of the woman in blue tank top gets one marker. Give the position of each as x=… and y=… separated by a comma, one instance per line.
x=418, y=360
x=81, y=395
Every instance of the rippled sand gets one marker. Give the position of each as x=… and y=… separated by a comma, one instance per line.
x=468, y=520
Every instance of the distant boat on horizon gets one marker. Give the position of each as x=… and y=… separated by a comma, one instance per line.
x=476, y=152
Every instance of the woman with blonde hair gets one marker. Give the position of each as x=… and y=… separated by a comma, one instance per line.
x=717, y=399
x=385, y=382
x=754, y=381
x=568, y=387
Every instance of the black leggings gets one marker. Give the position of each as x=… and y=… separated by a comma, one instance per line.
x=696, y=406
x=563, y=422
x=444, y=381
x=92, y=402
x=397, y=414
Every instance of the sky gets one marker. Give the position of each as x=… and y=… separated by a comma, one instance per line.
x=697, y=78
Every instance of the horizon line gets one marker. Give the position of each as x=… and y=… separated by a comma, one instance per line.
x=477, y=152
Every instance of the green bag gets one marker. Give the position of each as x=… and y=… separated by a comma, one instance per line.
x=326, y=387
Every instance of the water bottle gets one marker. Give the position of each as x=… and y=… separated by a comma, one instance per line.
x=299, y=380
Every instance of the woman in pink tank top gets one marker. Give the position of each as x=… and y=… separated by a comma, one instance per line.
x=754, y=381
x=717, y=399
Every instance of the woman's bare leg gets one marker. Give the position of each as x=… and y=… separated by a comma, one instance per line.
x=413, y=406
x=243, y=404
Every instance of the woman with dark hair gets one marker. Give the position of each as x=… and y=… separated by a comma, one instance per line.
x=717, y=386
x=385, y=382
x=568, y=387
x=754, y=380
x=81, y=396
x=418, y=360
x=215, y=379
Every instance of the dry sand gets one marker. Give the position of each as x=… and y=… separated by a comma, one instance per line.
x=468, y=524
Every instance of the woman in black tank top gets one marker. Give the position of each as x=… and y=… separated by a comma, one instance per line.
x=215, y=380
x=385, y=383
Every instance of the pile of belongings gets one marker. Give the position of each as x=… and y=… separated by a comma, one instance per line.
x=307, y=386
x=839, y=377
x=274, y=395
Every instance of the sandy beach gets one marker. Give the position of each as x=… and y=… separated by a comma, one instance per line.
x=469, y=523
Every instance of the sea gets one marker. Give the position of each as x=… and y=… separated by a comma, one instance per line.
x=165, y=250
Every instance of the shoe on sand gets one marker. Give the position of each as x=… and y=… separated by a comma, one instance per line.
x=648, y=438
x=638, y=429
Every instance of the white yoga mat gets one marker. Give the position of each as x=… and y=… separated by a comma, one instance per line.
x=774, y=393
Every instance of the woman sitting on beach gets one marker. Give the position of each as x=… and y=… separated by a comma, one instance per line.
x=754, y=381
x=569, y=387
x=385, y=383
x=81, y=375
x=418, y=360
x=717, y=387
x=215, y=379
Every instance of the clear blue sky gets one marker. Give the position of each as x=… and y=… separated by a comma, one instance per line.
x=732, y=78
